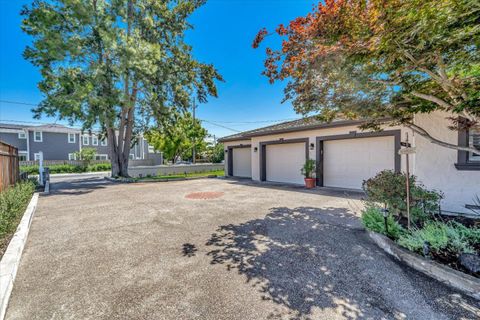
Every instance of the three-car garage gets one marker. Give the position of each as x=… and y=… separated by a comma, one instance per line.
x=344, y=157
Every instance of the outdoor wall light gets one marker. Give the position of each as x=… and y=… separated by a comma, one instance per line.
x=312, y=146
x=226, y=150
x=255, y=149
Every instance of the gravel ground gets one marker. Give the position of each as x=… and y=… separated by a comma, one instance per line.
x=100, y=250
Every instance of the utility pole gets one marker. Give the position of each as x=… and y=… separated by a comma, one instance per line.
x=193, y=150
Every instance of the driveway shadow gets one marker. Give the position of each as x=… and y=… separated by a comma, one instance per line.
x=77, y=186
x=325, y=191
x=310, y=259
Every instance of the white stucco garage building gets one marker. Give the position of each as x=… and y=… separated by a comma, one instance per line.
x=346, y=155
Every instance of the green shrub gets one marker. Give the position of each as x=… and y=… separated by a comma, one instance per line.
x=372, y=219
x=13, y=202
x=389, y=188
x=99, y=167
x=68, y=168
x=451, y=236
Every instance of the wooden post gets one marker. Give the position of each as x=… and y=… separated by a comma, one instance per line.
x=408, y=185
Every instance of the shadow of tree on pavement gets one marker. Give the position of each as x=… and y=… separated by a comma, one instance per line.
x=313, y=260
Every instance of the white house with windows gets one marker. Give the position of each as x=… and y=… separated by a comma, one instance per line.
x=346, y=156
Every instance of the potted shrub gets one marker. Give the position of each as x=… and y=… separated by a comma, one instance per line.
x=308, y=171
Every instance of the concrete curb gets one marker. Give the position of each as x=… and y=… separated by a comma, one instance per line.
x=11, y=258
x=126, y=180
x=455, y=279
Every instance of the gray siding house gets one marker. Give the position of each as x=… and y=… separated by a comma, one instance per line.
x=59, y=142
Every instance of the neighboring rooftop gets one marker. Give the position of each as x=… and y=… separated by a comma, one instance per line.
x=44, y=127
x=302, y=124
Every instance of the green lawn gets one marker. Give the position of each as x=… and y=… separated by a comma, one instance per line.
x=188, y=175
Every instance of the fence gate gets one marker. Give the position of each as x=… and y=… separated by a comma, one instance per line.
x=9, y=169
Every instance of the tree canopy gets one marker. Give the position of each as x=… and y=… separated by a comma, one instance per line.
x=383, y=61
x=115, y=64
x=177, y=135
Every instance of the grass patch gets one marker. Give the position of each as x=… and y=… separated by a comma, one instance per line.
x=187, y=175
x=13, y=202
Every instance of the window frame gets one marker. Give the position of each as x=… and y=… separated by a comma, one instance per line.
x=463, y=157
x=35, y=136
x=35, y=155
x=74, y=137
x=103, y=156
x=72, y=157
x=104, y=143
x=22, y=154
x=22, y=135
x=83, y=140
x=94, y=138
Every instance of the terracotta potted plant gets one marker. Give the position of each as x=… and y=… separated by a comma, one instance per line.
x=308, y=171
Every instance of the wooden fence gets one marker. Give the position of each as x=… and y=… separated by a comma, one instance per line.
x=9, y=169
x=47, y=163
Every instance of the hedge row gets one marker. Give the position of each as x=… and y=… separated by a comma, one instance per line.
x=68, y=168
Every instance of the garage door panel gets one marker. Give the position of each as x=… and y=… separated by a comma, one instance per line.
x=350, y=161
x=242, y=162
x=284, y=161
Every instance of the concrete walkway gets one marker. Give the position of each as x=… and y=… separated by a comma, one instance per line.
x=100, y=250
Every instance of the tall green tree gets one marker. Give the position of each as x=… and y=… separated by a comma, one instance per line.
x=115, y=64
x=177, y=136
x=384, y=61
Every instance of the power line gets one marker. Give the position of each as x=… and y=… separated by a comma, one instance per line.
x=216, y=122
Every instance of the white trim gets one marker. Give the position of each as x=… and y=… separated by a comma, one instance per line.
x=4, y=130
x=22, y=135
x=72, y=157
x=94, y=141
x=74, y=135
x=28, y=145
x=83, y=140
x=36, y=156
x=104, y=142
x=35, y=136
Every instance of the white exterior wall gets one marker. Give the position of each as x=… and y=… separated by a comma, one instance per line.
x=312, y=137
x=435, y=166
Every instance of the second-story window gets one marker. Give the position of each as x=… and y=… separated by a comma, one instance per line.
x=104, y=142
x=85, y=140
x=94, y=141
x=71, y=138
x=37, y=136
x=22, y=135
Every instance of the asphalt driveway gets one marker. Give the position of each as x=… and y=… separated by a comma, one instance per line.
x=99, y=250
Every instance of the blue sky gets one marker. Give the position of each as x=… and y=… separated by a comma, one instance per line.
x=223, y=34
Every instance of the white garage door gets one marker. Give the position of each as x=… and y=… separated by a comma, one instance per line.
x=242, y=162
x=284, y=161
x=348, y=162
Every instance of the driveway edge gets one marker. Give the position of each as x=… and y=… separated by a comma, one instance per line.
x=11, y=259
x=453, y=278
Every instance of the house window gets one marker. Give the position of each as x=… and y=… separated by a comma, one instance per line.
x=94, y=141
x=151, y=149
x=469, y=160
x=72, y=156
x=85, y=140
x=71, y=138
x=474, y=142
x=22, y=156
x=132, y=156
x=104, y=142
x=101, y=157
x=38, y=136
x=36, y=156
x=22, y=135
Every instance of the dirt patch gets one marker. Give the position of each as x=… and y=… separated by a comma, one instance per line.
x=204, y=195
